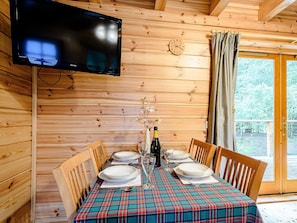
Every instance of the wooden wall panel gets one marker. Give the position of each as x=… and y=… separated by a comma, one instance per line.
x=18, y=72
x=23, y=215
x=51, y=212
x=63, y=138
x=186, y=16
x=76, y=108
x=138, y=43
x=15, y=84
x=49, y=97
x=15, y=130
x=15, y=192
x=15, y=134
x=50, y=196
x=11, y=117
x=15, y=167
x=15, y=151
x=14, y=184
x=176, y=110
x=81, y=107
x=105, y=124
x=121, y=84
x=14, y=100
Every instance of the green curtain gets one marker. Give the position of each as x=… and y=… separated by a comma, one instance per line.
x=224, y=57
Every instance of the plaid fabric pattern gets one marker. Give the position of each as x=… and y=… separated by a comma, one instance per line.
x=169, y=201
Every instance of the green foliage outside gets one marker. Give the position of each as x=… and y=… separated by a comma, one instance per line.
x=254, y=90
x=254, y=104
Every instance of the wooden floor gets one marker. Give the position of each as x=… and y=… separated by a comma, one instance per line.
x=281, y=208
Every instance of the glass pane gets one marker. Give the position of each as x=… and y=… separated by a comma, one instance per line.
x=254, y=111
x=292, y=119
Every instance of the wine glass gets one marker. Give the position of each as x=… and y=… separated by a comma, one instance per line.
x=148, y=163
x=142, y=149
x=166, y=153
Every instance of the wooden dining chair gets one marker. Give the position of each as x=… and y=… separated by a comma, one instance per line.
x=243, y=172
x=99, y=153
x=202, y=152
x=74, y=178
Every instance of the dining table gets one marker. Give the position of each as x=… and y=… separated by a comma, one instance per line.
x=173, y=199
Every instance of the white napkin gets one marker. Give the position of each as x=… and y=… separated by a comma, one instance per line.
x=118, y=162
x=188, y=160
x=133, y=182
x=202, y=180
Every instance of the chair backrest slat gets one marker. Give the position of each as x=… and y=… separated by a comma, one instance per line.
x=243, y=172
x=99, y=153
x=74, y=178
x=202, y=152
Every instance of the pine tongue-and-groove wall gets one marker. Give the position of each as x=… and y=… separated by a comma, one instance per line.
x=74, y=108
x=81, y=108
x=15, y=130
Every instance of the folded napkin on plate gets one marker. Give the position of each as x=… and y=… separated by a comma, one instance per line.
x=117, y=162
x=181, y=160
x=202, y=180
x=133, y=182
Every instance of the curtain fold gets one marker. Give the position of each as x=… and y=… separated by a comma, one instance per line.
x=225, y=48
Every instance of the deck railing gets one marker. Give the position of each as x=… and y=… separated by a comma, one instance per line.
x=261, y=133
x=256, y=138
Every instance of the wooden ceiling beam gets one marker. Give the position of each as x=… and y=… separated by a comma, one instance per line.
x=95, y=1
x=270, y=8
x=217, y=7
x=160, y=4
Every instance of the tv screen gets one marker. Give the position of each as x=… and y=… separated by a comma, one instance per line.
x=52, y=34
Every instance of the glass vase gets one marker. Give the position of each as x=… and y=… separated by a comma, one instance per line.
x=148, y=140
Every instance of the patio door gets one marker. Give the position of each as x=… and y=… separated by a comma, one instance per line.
x=289, y=125
x=266, y=117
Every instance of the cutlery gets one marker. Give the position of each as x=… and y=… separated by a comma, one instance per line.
x=126, y=189
x=129, y=188
x=195, y=184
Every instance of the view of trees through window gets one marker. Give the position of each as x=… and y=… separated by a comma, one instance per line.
x=292, y=118
x=257, y=100
x=254, y=106
x=292, y=91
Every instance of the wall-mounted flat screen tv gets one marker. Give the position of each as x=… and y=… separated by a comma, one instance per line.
x=52, y=34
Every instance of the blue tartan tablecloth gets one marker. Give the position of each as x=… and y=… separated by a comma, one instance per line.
x=169, y=201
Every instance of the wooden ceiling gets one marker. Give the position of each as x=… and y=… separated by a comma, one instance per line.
x=266, y=9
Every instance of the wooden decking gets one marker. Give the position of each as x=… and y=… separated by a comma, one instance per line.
x=284, y=212
x=278, y=208
x=292, y=167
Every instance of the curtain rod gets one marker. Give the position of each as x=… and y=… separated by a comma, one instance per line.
x=292, y=37
x=213, y=31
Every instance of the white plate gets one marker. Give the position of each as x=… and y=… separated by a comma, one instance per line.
x=118, y=173
x=193, y=169
x=207, y=173
x=125, y=155
x=178, y=155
